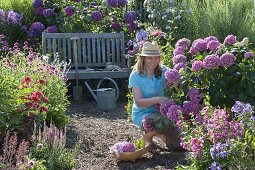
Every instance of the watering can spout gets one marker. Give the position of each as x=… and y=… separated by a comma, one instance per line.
x=91, y=91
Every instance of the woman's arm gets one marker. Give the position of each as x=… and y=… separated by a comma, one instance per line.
x=145, y=102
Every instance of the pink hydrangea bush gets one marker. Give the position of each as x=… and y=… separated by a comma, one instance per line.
x=222, y=72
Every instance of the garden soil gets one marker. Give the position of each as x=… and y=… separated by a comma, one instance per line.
x=98, y=130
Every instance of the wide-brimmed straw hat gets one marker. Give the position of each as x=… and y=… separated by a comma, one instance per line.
x=150, y=49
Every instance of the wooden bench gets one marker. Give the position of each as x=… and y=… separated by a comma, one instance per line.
x=93, y=51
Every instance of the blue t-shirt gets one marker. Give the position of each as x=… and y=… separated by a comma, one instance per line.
x=150, y=87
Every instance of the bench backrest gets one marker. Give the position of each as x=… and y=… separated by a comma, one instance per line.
x=94, y=49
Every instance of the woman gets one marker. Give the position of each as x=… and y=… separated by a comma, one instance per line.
x=147, y=82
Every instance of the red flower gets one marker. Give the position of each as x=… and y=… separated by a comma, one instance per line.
x=44, y=109
x=26, y=80
x=41, y=81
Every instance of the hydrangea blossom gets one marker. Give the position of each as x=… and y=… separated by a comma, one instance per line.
x=141, y=35
x=96, y=16
x=179, y=50
x=184, y=42
x=227, y=59
x=132, y=26
x=210, y=38
x=69, y=10
x=48, y=12
x=112, y=3
x=179, y=59
x=52, y=29
x=37, y=3
x=122, y=147
x=230, y=39
x=173, y=76
x=14, y=18
x=164, y=106
x=191, y=107
x=211, y=61
x=36, y=29
x=195, y=95
x=248, y=55
x=197, y=66
x=179, y=66
x=115, y=26
x=130, y=17
x=39, y=10
x=199, y=45
x=213, y=45
x=122, y=3
x=173, y=112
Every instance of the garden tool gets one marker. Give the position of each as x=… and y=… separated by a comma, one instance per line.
x=77, y=90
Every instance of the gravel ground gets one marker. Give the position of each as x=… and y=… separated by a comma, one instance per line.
x=98, y=130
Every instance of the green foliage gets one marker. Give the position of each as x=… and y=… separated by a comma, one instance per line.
x=31, y=90
x=56, y=157
x=217, y=17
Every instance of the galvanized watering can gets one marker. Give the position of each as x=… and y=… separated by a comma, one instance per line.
x=105, y=97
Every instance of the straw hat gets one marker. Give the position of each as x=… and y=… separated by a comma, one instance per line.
x=150, y=49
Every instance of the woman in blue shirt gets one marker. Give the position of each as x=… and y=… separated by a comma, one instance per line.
x=147, y=82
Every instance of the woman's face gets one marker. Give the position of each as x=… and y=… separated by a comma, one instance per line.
x=151, y=62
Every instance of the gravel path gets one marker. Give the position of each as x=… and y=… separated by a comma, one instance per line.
x=98, y=130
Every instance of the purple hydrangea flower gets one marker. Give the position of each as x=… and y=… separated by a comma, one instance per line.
x=211, y=61
x=14, y=18
x=147, y=125
x=112, y=3
x=199, y=45
x=227, y=59
x=37, y=3
x=184, y=42
x=173, y=76
x=179, y=50
x=211, y=38
x=213, y=45
x=96, y=16
x=179, y=59
x=36, y=29
x=141, y=35
x=52, y=29
x=130, y=17
x=48, y=12
x=193, y=51
x=179, y=66
x=132, y=27
x=115, y=26
x=122, y=147
x=248, y=55
x=197, y=66
x=122, y=3
x=230, y=39
x=173, y=113
x=39, y=10
x=195, y=95
x=69, y=10
x=190, y=107
x=164, y=106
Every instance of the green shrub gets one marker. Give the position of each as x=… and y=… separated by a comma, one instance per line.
x=219, y=18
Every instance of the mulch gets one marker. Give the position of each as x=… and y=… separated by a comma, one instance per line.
x=98, y=130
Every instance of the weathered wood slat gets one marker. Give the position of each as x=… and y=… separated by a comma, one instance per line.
x=118, y=50
x=108, y=50
x=82, y=35
x=64, y=49
x=79, y=51
x=103, y=51
x=60, y=51
x=98, y=51
x=54, y=47
x=113, y=50
x=69, y=50
x=94, y=50
x=89, y=50
x=84, y=51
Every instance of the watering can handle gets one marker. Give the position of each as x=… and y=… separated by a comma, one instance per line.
x=116, y=86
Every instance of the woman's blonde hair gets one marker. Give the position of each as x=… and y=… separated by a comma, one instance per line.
x=139, y=66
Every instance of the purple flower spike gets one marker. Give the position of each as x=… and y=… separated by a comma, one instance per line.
x=96, y=16
x=230, y=39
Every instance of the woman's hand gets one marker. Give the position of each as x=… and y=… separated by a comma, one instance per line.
x=161, y=99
